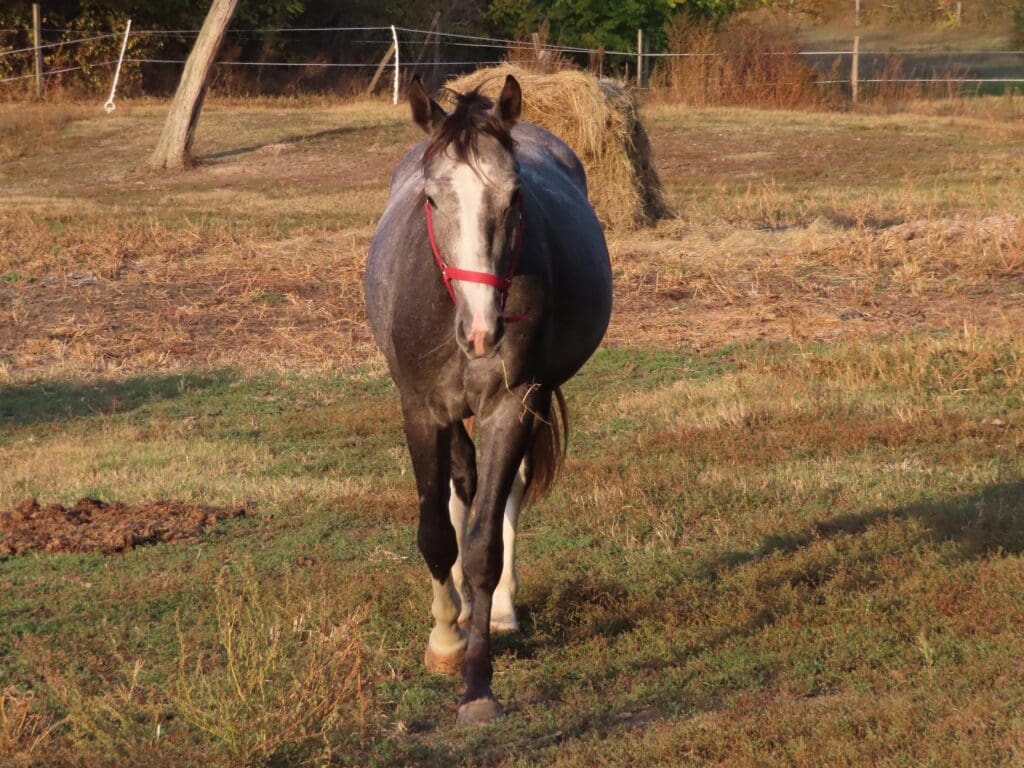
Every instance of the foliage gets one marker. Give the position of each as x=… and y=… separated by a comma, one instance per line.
x=1018, y=26
x=593, y=23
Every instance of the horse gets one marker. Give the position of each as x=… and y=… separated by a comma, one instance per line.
x=488, y=286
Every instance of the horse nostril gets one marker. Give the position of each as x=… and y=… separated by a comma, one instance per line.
x=479, y=339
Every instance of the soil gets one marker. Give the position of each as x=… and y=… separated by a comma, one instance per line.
x=98, y=526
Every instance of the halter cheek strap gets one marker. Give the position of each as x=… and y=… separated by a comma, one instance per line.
x=450, y=273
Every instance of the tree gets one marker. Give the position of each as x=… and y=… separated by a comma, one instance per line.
x=593, y=23
x=174, y=149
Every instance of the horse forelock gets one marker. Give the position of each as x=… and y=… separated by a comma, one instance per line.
x=472, y=117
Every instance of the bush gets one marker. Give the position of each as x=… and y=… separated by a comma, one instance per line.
x=736, y=63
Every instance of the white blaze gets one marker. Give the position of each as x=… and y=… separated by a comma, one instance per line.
x=473, y=249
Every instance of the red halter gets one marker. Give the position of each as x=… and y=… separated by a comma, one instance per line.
x=503, y=284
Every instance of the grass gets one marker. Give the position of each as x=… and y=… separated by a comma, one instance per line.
x=789, y=532
x=781, y=531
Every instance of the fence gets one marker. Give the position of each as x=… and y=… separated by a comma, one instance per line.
x=403, y=50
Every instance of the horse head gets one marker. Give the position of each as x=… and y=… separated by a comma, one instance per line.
x=473, y=205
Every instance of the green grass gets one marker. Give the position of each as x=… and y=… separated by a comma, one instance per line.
x=762, y=554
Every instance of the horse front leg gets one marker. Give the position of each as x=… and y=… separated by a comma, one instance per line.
x=429, y=447
x=463, y=489
x=505, y=431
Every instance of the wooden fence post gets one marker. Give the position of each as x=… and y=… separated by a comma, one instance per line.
x=430, y=36
x=855, y=70
x=856, y=20
x=639, y=58
x=37, y=41
x=597, y=61
x=380, y=69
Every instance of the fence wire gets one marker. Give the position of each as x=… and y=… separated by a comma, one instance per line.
x=975, y=66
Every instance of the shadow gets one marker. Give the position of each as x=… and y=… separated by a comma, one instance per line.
x=841, y=220
x=980, y=524
x=287, y=140
x=560, y=612
x=65, y=400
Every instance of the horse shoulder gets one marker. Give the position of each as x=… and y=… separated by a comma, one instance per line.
x=538, y=146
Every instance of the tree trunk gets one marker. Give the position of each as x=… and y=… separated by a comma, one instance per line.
x=174, y=150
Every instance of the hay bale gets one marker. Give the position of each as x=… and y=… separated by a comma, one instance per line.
x=600, y=120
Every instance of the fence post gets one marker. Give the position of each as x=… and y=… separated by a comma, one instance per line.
x=37, y=40
x=855, y=69
x=424, y=48
x=639, y=58
x=959, y=13
x=856, y=20
x=380, y=69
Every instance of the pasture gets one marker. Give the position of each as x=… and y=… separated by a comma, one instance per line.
x=789, y=531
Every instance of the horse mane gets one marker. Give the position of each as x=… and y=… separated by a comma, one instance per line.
x=473, y=115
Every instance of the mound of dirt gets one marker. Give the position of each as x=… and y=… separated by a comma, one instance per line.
x=91, y=525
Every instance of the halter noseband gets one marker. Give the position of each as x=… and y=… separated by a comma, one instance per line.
x=450, y=273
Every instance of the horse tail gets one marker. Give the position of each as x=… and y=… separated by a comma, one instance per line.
x=547, y=448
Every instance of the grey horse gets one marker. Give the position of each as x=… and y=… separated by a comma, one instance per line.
x=488, y=286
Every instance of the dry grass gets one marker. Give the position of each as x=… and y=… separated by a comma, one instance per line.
x=24, y=726
x=132, y=297
x=26, y=127
x=799, y=226
x=600, y=120
x=737, y=63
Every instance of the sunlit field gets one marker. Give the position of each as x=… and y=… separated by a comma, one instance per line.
x=789, y=531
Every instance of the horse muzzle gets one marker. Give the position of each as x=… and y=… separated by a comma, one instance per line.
x=480, y=337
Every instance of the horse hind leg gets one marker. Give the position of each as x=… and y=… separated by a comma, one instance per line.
x=503, y=611
x=463, y=488
x=535, y=475
x=458, y=511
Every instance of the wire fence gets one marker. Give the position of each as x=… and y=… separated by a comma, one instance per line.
x=976, y=67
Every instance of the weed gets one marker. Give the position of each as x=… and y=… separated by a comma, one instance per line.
x=288, y=675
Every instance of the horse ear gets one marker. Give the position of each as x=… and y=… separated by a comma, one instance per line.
x=510, y=102
x=426, y=112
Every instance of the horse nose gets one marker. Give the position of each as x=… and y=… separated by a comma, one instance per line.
x=482, y=338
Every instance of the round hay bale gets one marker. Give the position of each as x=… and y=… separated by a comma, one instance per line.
x=600, y=120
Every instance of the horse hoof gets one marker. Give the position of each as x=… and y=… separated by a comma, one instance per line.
x=443, y=664
x=504, y=625
x=480, y=712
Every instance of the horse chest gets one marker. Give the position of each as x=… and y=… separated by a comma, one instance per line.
x=468, y=387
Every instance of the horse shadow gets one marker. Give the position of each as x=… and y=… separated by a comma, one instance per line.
x=50, y=401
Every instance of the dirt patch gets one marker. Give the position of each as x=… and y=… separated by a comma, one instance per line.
x=97, y=526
